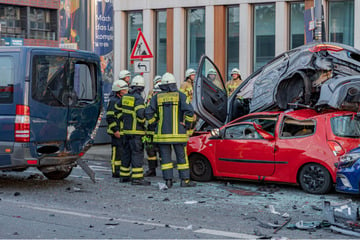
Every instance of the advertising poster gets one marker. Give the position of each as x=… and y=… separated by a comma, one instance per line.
x=69, y=23
x=103, y=43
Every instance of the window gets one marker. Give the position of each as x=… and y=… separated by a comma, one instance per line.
x=346, y=126
x=264, y=34
x=232, y=38
x=161, y=42
x=49, y=79
x=6, y=79
x=84, y=83
x=341, y=21
x=195, y=36
x=296, y=128
x=13, y=21
x=296, y=24
x=243, y=131
x=267, y=123
x=135, y=21
x=43, y=23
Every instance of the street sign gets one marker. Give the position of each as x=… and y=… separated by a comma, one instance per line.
x=141, y=66
x=141, y=48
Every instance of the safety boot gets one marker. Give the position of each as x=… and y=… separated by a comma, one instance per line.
x=150, y=173
x=169, y=183
x=116, y=174
x=140, y=181
x=124, y=179
x=187, y=183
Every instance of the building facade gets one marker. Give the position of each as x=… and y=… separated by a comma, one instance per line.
x=234, y=33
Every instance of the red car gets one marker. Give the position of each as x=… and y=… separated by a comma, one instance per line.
x=298, y=147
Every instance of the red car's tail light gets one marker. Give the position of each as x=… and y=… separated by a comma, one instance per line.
x=325, y=47
x=22, y=123
x=336, y=148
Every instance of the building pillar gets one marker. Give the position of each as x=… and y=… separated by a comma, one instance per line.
x=179, y=44
x=209, y=31
x=120, y=38
x=245, y=43
x=281, y=28
x=220, y=39
x=170, y=40
x=149, y=32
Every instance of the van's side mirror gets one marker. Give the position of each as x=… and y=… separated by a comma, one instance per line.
x=262, y=132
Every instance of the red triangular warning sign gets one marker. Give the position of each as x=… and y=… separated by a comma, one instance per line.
x=141, y=48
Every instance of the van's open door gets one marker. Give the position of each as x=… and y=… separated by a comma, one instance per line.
x=210, y=97
x=84, y=97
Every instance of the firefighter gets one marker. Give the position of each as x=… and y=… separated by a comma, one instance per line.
x=170, y=116
x=234, y=82
x=119, y=88
x=151, y=148
x=188, y=85
x=125, y=75
x=133, y=123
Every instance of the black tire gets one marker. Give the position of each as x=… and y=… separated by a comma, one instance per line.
x=315, y=179
x=200, y=168
x=59, y=174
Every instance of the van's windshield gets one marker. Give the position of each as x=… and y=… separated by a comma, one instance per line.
x=346, y=126
x=6, y=79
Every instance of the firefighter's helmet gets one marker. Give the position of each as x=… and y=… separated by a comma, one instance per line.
x=119, y=85
x=124, y=73
x=189, y=72
x=168, y=78
x=137, y=81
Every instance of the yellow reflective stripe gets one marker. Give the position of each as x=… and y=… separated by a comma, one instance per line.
x=140, y=120
x=137, y=170
x=137, y=175
x=117, y=162
x=119, y=115
x=113, y=124
x=117, y=107
x=141, y=106
x=190, y=132
x=113, y=159
x=152, y=120
x=167, y=166
x=176, y=118
x=150, y=132
x=124, y=169
x=128, y=111
x=170, y=138
x=128, y=101
x=189, y=119
x=152, y=158
x=161, y=110
x=110, y=131
x=136, y=132
x=125, y=174
x=186, y=157
x=110, y=113
x=183, y=166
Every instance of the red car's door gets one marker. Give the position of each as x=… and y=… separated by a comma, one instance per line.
x=241, y=150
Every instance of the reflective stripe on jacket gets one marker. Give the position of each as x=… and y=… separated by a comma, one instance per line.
x=168, y=112
x=112, y=115
x=133, y=114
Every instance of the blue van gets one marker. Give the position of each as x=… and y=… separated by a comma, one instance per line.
x=50, y=105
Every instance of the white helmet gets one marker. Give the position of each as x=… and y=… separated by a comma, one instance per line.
x=167, y=78
x=124, y=73
x=119, y=85
x=157, y=87
x=137, y=81
x=235, y=71
x=157, y=79
x=189, y=72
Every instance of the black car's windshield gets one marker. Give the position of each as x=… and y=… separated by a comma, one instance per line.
x=346, y=126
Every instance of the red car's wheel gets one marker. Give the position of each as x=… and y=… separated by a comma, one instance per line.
x=200, y=168
x=315, y=179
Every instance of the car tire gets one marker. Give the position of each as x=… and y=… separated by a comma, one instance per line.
x=200, y=168
x=58, y=175
x=315, y=179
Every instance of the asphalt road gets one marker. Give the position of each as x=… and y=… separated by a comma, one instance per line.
x=33, y=207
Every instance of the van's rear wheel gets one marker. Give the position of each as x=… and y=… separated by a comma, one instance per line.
x=315, y=179
x=200, y=168
x=58, y=174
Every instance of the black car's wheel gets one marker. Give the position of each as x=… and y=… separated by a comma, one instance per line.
x=59, y=174
x=200, y=168
x=315, y=179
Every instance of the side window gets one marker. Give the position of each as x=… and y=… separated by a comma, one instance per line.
x=83, y=81
x=6, y=79
x=49, y=79
x=243, y=131
x=294, y=128
x=268, y=123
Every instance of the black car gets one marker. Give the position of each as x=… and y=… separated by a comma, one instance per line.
x=319, y=76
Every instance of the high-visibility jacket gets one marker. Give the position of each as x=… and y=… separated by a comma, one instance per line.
x=187, y=89
x=132, y=119
x=168, y=112
x=232, y=85
x=113, y=113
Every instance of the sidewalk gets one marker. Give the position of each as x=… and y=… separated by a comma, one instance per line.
x=98, y=152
